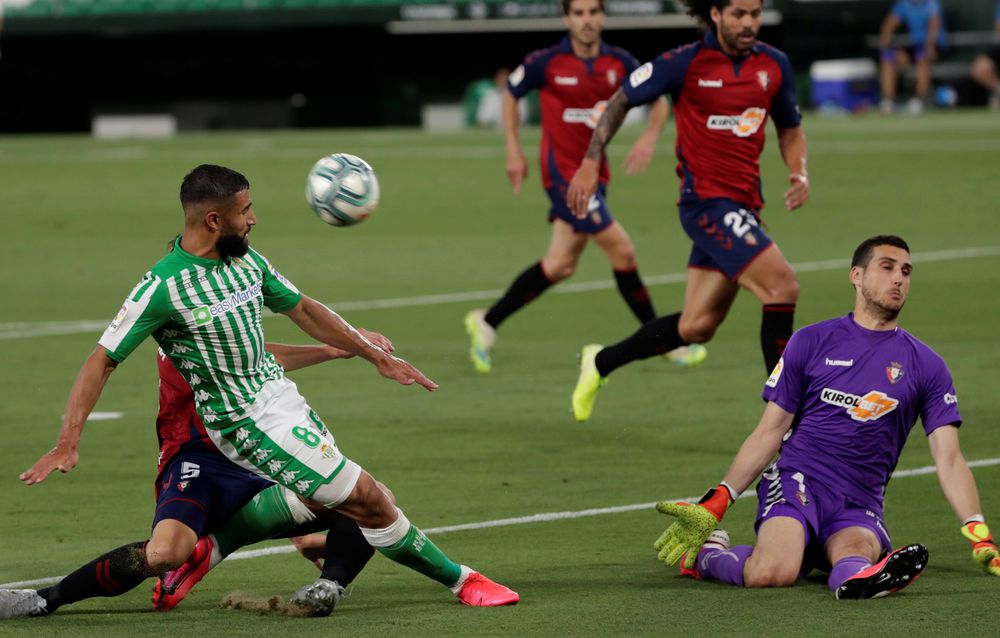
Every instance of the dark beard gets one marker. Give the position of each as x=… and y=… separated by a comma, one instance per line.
x=734, y=43
x=231, y=245
x=880, y=311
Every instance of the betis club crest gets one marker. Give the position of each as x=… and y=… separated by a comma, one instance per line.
x=894, y=372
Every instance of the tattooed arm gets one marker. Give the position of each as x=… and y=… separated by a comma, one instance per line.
x=584, y=183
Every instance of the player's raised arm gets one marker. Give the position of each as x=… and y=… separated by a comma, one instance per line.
x=642, y=151
x=792, y=142
x=584, y=183
x=325, y=325
x=82, y=399
x=517, y=166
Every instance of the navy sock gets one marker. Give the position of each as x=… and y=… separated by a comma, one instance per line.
x=654, y=337
x=775, y=331
x=119, y=571
x=635, y=294
x=528, y=285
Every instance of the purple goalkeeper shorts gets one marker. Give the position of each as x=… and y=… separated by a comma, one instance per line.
x=821, y=511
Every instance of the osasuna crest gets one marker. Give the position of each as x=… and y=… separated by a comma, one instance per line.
x=612, y=78
x=894, y=372
x=763, y=79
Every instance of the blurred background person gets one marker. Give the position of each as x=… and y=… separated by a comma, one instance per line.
x=925, y=25
x=984, y=66
x=483, y=101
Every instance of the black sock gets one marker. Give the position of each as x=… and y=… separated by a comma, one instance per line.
x=654, y=337
x=113, y=574
x=775, y=331
x=347, y=551
x=635, y=294
x=528, y=285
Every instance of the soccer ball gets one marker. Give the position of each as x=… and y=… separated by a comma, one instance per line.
x=342, y=189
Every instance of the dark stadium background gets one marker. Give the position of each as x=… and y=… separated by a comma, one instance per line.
x=64, y=60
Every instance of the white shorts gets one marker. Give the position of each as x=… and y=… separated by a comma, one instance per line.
x=283, y=440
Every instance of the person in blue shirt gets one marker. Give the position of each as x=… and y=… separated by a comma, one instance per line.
x=925, y=24
x=984, y=66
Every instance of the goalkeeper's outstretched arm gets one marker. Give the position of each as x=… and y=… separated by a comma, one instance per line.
x=759, y=447
x=959, y=488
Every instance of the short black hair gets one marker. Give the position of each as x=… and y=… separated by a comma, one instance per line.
x=566, y=4
x=702, y=9
x=211, y=183
x=863, y=253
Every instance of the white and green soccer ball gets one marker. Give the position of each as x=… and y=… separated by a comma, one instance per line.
x=342, y=189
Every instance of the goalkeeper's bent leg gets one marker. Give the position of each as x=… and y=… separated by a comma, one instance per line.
x=724, y=565
x=844, y=569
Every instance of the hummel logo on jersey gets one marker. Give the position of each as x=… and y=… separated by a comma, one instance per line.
x=743, y=125
x=845, y=363
x=571, y=80
x=710, y=84
x=865, y=408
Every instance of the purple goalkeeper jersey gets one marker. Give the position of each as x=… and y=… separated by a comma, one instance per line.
x=855, y=394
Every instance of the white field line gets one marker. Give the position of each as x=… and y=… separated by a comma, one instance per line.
x=25, y=330
x=520, y=520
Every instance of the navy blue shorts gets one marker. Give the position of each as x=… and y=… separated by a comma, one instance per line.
x=727, y=235
x=203, y=489
x=598, y=216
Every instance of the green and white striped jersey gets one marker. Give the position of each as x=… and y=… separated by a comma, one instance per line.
x=206, y=316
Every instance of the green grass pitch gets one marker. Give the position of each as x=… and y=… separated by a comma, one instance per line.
x=82, y=220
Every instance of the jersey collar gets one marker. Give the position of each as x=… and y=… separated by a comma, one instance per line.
x=194, y=259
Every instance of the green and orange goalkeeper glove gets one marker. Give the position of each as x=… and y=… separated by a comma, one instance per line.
x=984, y=550
x=693, y=526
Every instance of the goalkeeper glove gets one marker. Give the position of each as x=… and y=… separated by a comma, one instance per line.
x=693, y=526
x=984, y=550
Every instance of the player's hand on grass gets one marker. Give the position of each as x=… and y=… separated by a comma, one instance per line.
x=984, y=550
x=686, y=535
x=312, y=547
x=798, y=194
x=694, y=525
x=403, y=372
x=55, y=459
x=582, y=187
x=517, y=170
x=639, y=158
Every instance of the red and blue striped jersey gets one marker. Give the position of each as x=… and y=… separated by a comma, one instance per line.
x=721, y=104
x=573, y=92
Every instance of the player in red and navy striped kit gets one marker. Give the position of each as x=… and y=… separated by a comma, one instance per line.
x=723, y=90
x=575, y=78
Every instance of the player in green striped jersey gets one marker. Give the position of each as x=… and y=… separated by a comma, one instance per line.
x=203, y=304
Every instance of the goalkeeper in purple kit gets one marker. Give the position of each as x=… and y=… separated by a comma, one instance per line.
x=841, y=402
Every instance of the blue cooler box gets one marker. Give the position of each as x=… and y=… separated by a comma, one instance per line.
x=848, y=84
